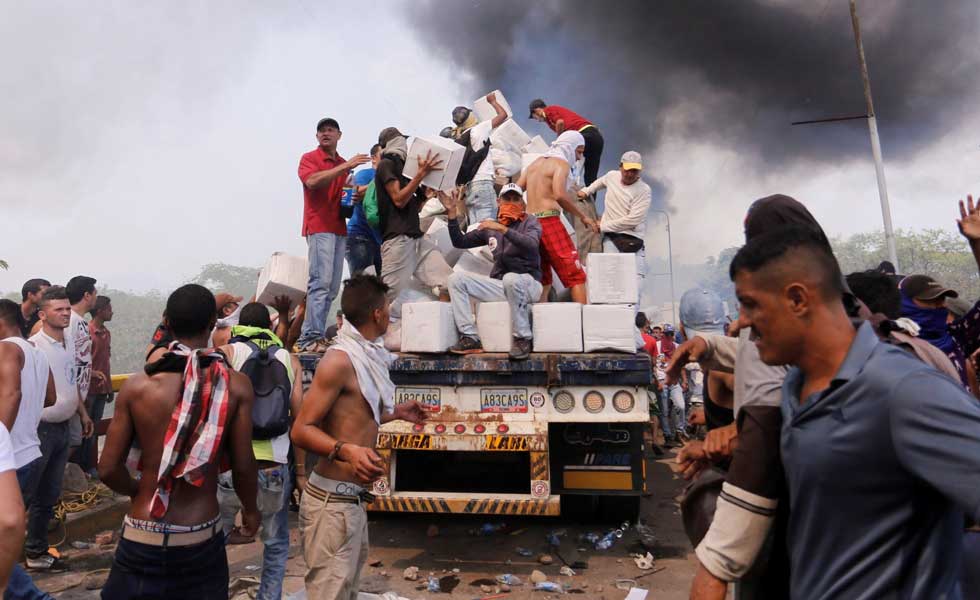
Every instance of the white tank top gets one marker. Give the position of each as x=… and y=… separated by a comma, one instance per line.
x=33, y=385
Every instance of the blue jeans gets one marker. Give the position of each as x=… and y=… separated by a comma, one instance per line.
x=672, y=395
x=140, y=571
x=21, y=587
x=326, y=255
x=40, y=484
x=519, y=290
x=362, y=252
x=95, y=406
x=481, y=201
x=275, y=487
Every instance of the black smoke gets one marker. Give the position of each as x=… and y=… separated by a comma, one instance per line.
x=732, y=74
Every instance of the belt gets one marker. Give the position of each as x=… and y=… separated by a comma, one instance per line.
x=547, y=213
x=586, y=127
x=165, y=540
x=364, y=497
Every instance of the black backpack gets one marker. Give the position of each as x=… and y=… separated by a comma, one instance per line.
x=472, y=159
x=270, y=381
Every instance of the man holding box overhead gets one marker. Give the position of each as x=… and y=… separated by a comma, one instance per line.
x=516, y=276
x=323, y=173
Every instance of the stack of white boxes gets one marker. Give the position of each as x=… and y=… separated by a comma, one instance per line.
x=609, y=320
x=283, y=275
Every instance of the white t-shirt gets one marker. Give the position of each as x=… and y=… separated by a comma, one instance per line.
x=479, y=134
x=7, y=462
x=626, y=206
x=78, y=340
x=33, y=388
x=63, y=370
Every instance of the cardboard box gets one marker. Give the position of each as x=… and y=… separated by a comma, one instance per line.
x=473, y=263
x=438, y=234
x=612, y=278
x=449, y=151
x=283, y=275
x=393, y=337
x=428, y=327
x=505, y=162
x=609, y=327
x=537, y=145
x=494, y=326
x=509, y=136
x=485, y=112
x=527, y=158
x=557, y=326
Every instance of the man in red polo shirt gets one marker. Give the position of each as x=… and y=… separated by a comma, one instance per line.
x=560, y=120
x=323, y=173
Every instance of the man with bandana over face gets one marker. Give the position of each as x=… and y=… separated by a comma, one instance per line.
x=516, y=276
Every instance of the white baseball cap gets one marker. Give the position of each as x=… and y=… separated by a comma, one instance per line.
x=511, y=187
x=631, y=160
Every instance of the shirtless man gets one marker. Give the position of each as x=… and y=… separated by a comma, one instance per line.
x=546, y=182
x=171, y=543
x=351, y=395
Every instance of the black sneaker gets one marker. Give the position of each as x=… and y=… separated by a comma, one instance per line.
x=521, y=349
x=46, y=562
x=467, y=345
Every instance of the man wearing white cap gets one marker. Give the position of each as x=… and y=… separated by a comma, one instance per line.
x=624, y=220
x=516, y=276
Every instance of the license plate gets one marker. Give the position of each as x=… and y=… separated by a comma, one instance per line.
x=429, y=398
x=508, y=400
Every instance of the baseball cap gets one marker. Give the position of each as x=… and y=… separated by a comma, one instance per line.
x=923, y=287
x=702, y=311
x=327, y=121
x=389, y=133
x=631, y=160
x=511, y=187
x=536, y=103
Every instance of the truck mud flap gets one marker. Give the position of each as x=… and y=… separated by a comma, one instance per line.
x=597, y=458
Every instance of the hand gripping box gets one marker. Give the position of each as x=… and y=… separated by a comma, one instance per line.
x=494, y=326
x=612, y=278
x=428, y=327
x=557, y=326
x=448, y=151
x=283, y=275
x=609, y=327
x=485, y=112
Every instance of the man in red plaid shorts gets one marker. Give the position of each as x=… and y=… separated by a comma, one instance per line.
x=546, y=182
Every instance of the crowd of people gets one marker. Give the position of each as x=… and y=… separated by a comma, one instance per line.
x=842, y=415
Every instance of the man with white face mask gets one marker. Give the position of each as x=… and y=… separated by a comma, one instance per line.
x=546, y=182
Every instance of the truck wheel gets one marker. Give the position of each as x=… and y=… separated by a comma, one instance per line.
x=616, y=509
x=579, y=507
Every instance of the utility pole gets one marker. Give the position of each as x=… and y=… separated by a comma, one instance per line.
x=886, y=214
x=670, y=266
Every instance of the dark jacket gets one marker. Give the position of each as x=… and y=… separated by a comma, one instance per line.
x=513, y=252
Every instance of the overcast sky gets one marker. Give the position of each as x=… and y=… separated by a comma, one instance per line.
x=139, y=141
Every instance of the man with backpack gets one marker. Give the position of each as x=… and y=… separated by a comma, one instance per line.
x=255, y=351
x=476, y=171
x=363, y=239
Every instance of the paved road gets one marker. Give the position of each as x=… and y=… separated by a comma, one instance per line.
x=401, y=541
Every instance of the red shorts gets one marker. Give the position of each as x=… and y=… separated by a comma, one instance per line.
x=558, y=251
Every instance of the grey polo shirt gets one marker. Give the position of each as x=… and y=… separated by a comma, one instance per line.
x=880, y=468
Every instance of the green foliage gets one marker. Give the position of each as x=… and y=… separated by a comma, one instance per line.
x=4, y=265
x=219, y=277
x=135, y=316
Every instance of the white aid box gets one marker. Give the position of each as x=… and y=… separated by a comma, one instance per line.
x=494, y=326
x=612, y=278
x=428, y=327
x=283, y=275
x=537, y=145
x=557, y=326
x=609, y=327
x=393, y=337
x=473, y=263
x=509, y=136
x=527, y=158
x=448, y=151
x=438, y=234
x=505, y=162
x=485, y=112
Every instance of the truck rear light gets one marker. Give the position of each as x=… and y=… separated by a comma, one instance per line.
x=418, y=428
x=440, y=428
x=460, y=428
x=503, y=428
x=594, y=402
x=623, y=401
x=563, y=402
x=479, y=428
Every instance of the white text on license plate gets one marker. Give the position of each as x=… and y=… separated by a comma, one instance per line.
x=505, y=400
x=429, y=398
